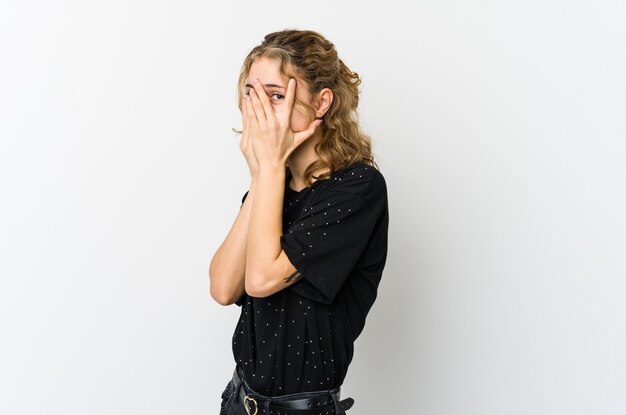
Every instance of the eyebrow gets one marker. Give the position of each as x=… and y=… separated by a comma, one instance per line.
x=268, y=85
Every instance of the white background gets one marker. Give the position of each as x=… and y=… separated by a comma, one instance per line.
x=498, y=125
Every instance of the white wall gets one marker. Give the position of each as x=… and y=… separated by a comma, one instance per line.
x=499, y=126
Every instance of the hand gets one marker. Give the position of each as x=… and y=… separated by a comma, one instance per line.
x=245, y=144
x=271, y=134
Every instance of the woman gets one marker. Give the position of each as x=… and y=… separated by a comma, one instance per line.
x=306, y=252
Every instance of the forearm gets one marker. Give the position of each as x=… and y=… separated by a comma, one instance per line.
x=228, y=266
x=265, y=227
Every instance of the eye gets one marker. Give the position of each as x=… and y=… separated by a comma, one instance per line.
x=279, y=96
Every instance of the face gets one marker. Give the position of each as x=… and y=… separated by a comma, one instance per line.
x=275, y=85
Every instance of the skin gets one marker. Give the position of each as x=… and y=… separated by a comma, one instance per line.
x=251, y=257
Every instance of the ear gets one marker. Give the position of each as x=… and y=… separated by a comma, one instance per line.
x=323, y=101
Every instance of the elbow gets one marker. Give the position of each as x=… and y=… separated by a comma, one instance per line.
x=257, y=287
x=222, y=297
x=222, y=293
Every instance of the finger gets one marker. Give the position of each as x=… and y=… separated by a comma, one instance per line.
x=290, y=97
x=253, y=123
x=244, y=116
x=250, y=115
x=300, y=136
x=258, y=109
x=243, y=143
x=244, y=113
x=265, y=100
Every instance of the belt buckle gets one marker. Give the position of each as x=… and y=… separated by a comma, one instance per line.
x=247, y=399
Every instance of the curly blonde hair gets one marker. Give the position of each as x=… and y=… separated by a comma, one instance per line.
x=310, y=57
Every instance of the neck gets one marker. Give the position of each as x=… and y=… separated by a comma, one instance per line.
x=299, y=160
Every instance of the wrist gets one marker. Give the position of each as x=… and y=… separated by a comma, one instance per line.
x=272, y=169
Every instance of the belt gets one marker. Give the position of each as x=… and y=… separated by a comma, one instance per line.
x=324, y=402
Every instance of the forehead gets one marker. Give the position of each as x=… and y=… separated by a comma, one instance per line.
x=267, y=70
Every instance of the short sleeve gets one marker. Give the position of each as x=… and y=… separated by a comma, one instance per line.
x=326, y=241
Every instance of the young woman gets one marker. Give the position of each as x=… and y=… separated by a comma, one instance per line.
x=306, y=252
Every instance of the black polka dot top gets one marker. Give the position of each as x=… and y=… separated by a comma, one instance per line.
x=301, y=338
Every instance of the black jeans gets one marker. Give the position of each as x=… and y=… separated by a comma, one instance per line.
x=232, y=403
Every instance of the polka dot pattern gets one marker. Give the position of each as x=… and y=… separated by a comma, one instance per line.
x=301, y=338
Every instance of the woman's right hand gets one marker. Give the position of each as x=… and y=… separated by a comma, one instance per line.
x=246, y=143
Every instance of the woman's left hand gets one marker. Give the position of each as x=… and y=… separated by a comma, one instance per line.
x=271, y=134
